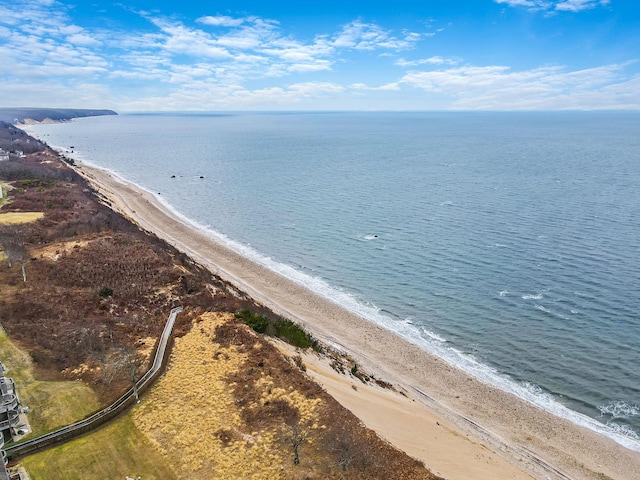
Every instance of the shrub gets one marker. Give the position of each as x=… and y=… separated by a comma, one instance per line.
x=257, y=322
x=293, y=334
x=281, y=328
x=29, y=182
x=105, y=292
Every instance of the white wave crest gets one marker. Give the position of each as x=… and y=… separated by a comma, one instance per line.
x=531, y=296
x=619, y=409
x=625, y=430
x=433, y=335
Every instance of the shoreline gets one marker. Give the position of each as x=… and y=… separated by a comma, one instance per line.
x=504, y=429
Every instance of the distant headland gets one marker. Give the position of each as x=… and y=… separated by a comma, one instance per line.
x=19, y=116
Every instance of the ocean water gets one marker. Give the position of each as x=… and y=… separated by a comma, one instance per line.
x=507, y=243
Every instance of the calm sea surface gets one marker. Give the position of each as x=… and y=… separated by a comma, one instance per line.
x=508, y=243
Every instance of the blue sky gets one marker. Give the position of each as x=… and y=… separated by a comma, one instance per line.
x=153, y=55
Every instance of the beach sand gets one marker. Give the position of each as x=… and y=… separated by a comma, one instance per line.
x=458, y=426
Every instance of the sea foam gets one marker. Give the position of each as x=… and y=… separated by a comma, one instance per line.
x=537, y=296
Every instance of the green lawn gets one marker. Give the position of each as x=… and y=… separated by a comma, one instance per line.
x=51, y=404
x=114, y=452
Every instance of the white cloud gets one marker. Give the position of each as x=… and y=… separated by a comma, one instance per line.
x=203, y=95
x=500, y=88
x=275, y=97
x=240, y=41
x=255, y=33
x=315, y=56
x=369, y=36
x=185, y=41
x=83, y=40
x=315, y=88
x=70, y=29
x=27, y=13
x=554, y=5
x=43, y=42
x=579, y=5
x=255, y=42
x=524, y=3
x=316, y=66
x=249, y=62
x=29, y=56
x=56, y=94
x=221, y=21
x=436, y=60
x=43, y=39
x=389, y=87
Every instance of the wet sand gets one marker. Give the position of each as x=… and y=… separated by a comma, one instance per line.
x=457, y=425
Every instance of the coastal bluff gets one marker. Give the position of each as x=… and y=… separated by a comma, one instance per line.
x=21, y=116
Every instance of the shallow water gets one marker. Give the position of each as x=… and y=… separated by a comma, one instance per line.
x=508, y=243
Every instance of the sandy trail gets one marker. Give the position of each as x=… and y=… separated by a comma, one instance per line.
x=457, y=425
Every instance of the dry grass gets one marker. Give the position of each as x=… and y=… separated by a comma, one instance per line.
x=193, y=420
x=56, y=250
x=230, y=406
x=223, y=410
x=14, y=218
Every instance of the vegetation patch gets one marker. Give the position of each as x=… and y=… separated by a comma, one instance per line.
x=105, y=292
x=282, y=328
x=198, y=428
x=257, y=322
x=14, y=218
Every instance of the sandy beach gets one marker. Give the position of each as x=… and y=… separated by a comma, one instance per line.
x=459, y=427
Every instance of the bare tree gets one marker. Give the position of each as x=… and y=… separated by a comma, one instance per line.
x=295, y=432
x=342, y=448
x=12, y=242
x=297, y=436
x=97, y=345
x=133, y=362
x=352, y=452
x=366, y=461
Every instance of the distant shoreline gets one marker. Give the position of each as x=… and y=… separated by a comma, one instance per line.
x=32, y=116
x=526, y=435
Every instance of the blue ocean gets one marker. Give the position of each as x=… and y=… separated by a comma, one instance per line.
x=506, y=243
